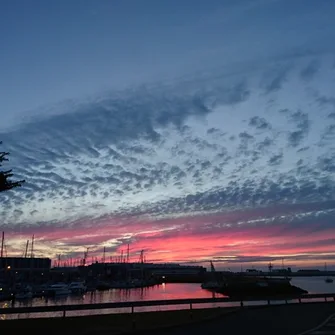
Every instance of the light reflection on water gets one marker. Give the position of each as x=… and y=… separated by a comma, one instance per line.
x=158, y=292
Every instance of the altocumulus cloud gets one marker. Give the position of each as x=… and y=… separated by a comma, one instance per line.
x=200, y=144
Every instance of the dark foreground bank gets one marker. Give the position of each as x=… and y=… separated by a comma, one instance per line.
x=273, y=320
x=262, y=320
x=109, y=324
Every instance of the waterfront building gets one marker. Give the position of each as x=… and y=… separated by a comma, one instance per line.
x=20, y=269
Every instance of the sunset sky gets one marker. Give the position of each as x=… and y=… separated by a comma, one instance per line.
x=193, y=130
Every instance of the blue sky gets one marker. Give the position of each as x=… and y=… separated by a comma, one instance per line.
x=163, y=110
x=52, y=50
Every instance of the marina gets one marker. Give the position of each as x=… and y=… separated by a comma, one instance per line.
x=161, y=292
x=31, y=288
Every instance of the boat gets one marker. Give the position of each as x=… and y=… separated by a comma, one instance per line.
x=212, y=284
x=328, y=279
x=24, y=293
x=91, y=287
x=122, y=284
x=132, y=283
x=78, y=287
x=58, y=289
x=102, y=285
x=5, y=293
x=40, y=290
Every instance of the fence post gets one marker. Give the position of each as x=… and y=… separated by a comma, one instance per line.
x=133, y=321
x=62, y=310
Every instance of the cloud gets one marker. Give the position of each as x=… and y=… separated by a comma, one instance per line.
x=325, y=101
x=205, y=145
x=276, y=159
x=259, y=123
x=327, y=163
x=329, y=132
x=302, y=123
x=294, y=232
x=274, y=79
x=310, y=70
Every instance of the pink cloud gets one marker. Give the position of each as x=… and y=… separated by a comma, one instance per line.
x=226, y=235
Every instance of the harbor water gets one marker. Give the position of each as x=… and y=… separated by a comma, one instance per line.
x=158, y=292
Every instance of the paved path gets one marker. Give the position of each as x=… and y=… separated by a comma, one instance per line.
x=274, y=320
x=325, y=328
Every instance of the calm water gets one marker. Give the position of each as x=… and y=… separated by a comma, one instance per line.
x=159, y=292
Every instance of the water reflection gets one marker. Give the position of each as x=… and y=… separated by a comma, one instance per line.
x=158, y=292
x=314, y=284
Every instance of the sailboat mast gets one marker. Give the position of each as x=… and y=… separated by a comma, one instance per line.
x=2, y=243
x=32, y=248
x=26, y=252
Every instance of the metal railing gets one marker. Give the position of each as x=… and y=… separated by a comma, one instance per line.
x=327, y=297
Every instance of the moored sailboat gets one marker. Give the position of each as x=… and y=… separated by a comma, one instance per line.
x=328, y=279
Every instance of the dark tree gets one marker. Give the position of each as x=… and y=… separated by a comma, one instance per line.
x=5, y=182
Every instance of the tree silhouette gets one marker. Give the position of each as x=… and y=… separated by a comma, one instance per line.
x=5, y=182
